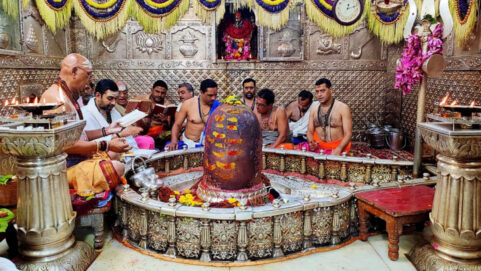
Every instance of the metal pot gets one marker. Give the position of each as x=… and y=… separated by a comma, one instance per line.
x=395, y=139
x=375, y=137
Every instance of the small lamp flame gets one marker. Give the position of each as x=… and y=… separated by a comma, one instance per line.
x=444, y=100
x=60, y=94
x=6, y=102
x=35, y=101
x=43, y=100
x=473, y=104
x=454, y=103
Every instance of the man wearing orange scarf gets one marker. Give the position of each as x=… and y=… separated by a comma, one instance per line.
x=330, y=123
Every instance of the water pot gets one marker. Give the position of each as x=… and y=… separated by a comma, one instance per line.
x=375, y=137
x=395, y=139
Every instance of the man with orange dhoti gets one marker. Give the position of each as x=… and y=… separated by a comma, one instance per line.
x=90, y=170
x=330, y=122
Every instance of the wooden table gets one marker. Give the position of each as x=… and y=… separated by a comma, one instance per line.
x=396, y=206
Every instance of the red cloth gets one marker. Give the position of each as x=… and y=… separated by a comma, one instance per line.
x=408, y=200
x=240, y=33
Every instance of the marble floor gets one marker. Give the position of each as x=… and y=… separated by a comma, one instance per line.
x=370, y=255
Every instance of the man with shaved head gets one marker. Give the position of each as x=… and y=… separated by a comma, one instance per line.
x=91, y=175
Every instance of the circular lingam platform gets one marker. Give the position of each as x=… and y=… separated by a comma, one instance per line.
x=303, y=217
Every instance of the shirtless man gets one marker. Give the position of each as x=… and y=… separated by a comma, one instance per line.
x=330, y=123
x=197, y=111
x=249, y=93
x=272, y=119
x=298, y=115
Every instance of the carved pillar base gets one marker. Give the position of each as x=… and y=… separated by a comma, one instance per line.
x=76, y=258
x=425, y=257
x=456, y=223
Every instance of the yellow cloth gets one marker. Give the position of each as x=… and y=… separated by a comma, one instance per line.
x=93, y=176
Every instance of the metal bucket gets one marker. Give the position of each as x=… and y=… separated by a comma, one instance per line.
x=395, y=139
x=375, y=138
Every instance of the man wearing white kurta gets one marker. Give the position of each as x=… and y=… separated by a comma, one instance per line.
x=100, y=111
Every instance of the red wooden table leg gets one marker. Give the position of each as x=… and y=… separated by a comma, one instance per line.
x=394, y=230
x=363, y=221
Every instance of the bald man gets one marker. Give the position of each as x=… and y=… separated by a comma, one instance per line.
x=92, y=175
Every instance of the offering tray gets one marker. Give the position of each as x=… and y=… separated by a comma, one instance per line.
x=464, y=110
x=471, y=122
x=36, y=108
x=43, y=119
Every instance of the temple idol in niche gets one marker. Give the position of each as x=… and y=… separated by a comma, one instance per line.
x=237, y=36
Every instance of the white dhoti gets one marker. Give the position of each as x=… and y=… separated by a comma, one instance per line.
x=190, y=143
x=299, y=127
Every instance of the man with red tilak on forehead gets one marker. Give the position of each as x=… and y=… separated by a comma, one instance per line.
x=97, y=172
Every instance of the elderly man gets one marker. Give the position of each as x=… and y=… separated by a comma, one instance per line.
x=298, y=115
x=123, y=98
x=272, y=119
x=330, y=123
x=92, y=175
x=196, y=111
x=249, y=93
x=185, y=91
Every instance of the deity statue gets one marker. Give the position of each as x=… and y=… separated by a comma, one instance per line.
x=237, y=38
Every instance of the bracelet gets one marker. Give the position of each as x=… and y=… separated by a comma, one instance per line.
x=103, y=145
x=104, y=133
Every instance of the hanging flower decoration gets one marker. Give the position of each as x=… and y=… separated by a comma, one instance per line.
x=272, y=13
x=387, y=21
x=102, y=18
x=156, y=16
x=209, y=10
x=409, y=72
x=55, y=13
x=320, y=12
x=10, y=8
x=464, y=17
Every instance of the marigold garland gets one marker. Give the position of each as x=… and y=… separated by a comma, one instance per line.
x=209, y=10
x=10, y=7
x=464, y=19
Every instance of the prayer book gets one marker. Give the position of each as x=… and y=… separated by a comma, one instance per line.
x=148, y=107
x=132, y=118
x=168, y=110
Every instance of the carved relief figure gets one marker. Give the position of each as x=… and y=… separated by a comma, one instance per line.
x=327, y=45
x=148, y=43
x=188, y=49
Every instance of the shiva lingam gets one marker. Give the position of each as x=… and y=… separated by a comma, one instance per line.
x=456, y=223
x=233, y=157
x=45, y=218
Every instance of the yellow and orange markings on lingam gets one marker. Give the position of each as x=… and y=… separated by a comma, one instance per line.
x=223, y=175
x=209, y=166
x=235, y=141
x=233, y=111
x=219, y=154
x=219, y=125
x=225, y=166
x=232, y=127
x=218, y=135
x=234, y=152
x=210, y=139
x=232, y=119
x=219, y=118
x=219, y=145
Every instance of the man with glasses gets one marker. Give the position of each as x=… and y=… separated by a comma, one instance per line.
x=123, y=98
x=93, y=175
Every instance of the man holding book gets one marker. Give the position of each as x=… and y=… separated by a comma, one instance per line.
x=95, y=174
x=196, y=111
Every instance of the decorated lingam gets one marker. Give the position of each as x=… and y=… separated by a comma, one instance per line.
x=233, y=156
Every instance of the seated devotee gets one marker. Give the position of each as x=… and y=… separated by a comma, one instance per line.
x=157, y=125
x=298, y=116
x=272, y=119
x=123, y=98
x=100, y=112
x=196, y=111
x=185, y=91
x=249, y=93
x=330, y=123
x=99, y=173
x=86, y=94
